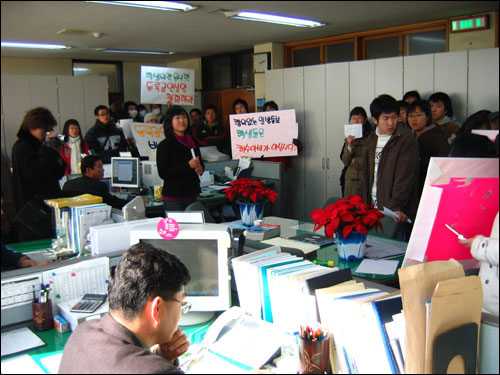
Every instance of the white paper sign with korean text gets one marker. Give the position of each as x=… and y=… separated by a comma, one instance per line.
x=353, y=129
x=263, y=134
x=160, y=85
x=147, y=136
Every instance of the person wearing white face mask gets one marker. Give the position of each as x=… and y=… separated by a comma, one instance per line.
x=74, y=148
x=156, y=110
x=142, y=113
x=130, y=111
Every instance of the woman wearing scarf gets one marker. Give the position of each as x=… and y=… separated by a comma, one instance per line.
x=179, y=162
x=74, y=148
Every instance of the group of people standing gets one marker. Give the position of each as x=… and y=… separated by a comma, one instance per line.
x=429, y=130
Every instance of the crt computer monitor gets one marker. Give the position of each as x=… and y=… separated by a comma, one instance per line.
x=203, y=248
x=125, y=172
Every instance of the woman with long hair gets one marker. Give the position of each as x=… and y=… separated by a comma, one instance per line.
x=75, y=147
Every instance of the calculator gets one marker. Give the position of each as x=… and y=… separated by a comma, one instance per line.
x=89, y=303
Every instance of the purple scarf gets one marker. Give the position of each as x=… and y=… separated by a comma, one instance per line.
x=185, y=140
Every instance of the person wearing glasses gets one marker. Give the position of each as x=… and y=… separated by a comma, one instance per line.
x=104, y=138
x=146, y=299
x=431, y=141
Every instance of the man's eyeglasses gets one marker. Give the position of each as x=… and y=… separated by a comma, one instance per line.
x=185, y=305
x=103, y=114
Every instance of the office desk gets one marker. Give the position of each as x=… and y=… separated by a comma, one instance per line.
x=290, y=228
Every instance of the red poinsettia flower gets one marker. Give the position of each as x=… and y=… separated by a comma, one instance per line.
x=249, y=190
x=348, y=214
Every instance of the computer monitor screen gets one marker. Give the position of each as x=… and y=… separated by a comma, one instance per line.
x=203, y=248
x=200, y=258
x=125, y=172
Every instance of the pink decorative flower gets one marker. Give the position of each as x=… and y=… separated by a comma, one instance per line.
x=347, y=214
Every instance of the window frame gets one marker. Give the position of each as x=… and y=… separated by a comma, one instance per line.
x=360, y=39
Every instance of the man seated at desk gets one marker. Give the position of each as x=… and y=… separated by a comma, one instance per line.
x=93, y=171
x=146, y=298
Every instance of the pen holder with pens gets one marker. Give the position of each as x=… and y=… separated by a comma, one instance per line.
x=314, y=355
x=42, y=315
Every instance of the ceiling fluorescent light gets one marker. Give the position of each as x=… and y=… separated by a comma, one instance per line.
x=282, y=20
x=145, y=52
x=33, y=45
x=161, y=5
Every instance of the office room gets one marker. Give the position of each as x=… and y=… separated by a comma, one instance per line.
x=341, y=90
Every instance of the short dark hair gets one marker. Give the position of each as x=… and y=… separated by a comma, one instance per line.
x=240, y=101
x=98, y=108
x=142, y=273
x=151, y=105
x=141, y=106
x=403, y=104
x=383, y=104
x=173, y=111
x=209, y=107
x=88, y=162
x=197, y=110
x=424, y=107
x=411, y=94
x=358, y=111
x=443, y=98
x=468, y=145
x=125, y=106
x=38, y=118
x=476, y=121
x=270, y=104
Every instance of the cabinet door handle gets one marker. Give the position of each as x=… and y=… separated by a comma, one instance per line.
x=323, y=163
x=327, y=163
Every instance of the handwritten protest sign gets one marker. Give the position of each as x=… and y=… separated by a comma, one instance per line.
x=263, y=134
x=147, y=136
x=160, y=85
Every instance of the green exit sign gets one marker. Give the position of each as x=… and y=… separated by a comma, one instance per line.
x=459, y=25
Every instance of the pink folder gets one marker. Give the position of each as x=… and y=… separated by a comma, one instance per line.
x=460, y=192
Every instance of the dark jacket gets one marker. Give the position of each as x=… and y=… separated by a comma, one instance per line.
x=37, y=169
x=172, y=160
x=397, y=174
x=104, y=346
x=106, y=141
x=431, y=143
x=10, y=259
x=88, y=185
x=210, y=135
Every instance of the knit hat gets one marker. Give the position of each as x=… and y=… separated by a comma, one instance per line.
x=149, y=117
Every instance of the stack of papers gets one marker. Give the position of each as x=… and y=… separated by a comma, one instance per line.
x=19, y=340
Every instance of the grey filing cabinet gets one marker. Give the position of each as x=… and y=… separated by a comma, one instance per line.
x=65, y=96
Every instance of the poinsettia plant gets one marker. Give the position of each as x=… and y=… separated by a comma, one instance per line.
x=346, y=215
x=250, y=190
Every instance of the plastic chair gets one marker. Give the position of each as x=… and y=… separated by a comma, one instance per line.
x=198, y=206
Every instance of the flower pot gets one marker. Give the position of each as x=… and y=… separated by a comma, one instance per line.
x=352, y=247
x=251, y=212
